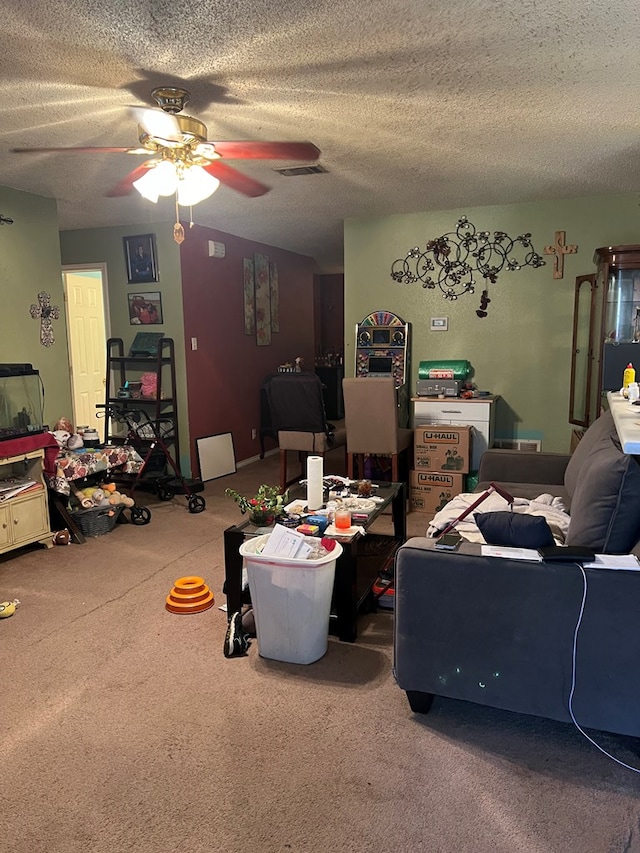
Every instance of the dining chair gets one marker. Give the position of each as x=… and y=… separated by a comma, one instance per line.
x=371, y=421
x=298, y=419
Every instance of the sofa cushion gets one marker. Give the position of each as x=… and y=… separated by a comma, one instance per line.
x=601, y=427
x=605, y=506
x=514, y=530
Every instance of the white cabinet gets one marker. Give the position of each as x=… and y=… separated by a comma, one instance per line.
x=24, y=519
x=477, y=412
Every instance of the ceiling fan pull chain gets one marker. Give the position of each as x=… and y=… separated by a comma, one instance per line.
x=178, y=230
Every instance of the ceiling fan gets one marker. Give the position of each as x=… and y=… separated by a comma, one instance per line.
x=183, y=161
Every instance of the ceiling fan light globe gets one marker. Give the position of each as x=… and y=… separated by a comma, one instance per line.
x=195, y=185
x=146, y=187
x=166, y=177
x=161, y=179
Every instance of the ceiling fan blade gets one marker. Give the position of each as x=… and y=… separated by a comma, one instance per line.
x=80, y=149
x=157, y=123
x=257, y=150
x=125, y=186
x=236, y=180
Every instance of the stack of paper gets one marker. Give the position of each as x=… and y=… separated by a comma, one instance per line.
x=12, y=486
x=287, y=543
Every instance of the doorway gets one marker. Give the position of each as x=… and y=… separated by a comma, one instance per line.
x=87, y=314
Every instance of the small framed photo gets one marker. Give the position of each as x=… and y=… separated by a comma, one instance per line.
x=140, y=257
x=439, y=324
x=145, y=309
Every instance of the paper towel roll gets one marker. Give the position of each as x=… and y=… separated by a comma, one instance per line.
x=314, y=482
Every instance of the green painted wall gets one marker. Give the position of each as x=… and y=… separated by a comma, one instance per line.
x=104, y=245
x=29, y=264
x=522, y=349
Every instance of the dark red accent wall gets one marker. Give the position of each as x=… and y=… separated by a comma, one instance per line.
x=330, y=307
x=225, y=373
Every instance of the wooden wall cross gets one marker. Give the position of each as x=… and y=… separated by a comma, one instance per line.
x=559, y=250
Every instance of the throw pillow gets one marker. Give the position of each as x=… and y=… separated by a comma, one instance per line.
x=580, y=458
x=514, y=530
x=605, y=507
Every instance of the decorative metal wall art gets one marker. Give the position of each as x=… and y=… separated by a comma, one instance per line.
x=45, y=312
x=458, y=255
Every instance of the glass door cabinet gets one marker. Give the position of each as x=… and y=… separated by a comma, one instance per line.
x=606, y=330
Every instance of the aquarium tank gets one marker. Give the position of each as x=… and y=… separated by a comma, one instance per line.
x=21, y=401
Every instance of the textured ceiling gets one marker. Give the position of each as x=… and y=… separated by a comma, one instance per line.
x=416, y=105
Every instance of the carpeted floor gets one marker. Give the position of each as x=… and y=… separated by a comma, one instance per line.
x=124, y=728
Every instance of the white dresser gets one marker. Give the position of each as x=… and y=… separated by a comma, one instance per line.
x=478, y=412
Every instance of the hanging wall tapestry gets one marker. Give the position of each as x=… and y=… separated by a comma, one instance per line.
x=263, y=300
x=275, y=297
x=249, y=298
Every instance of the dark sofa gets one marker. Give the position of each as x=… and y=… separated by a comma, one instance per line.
x=500, y=632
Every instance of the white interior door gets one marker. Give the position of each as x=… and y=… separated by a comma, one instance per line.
x=87, y=325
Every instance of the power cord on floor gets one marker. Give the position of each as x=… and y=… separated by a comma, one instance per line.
x=573, y=678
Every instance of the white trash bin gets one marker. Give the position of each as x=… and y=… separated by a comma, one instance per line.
x=291, y=601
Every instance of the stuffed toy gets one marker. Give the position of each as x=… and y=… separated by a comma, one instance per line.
x=106, y=496
x=116, y=498
x=65, y=425
x=62, y=537
x=62, y=436
x=100, y=498
x=67, y=440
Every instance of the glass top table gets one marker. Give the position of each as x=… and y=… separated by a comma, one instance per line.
x=357, y=568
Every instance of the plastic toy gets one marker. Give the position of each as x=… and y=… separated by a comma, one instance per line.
x=189, y=595
x=8, y=608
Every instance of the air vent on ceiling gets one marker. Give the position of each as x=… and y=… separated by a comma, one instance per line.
x=526, y=444
x=294, y=171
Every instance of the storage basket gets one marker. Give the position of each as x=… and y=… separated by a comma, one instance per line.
x=96, y=521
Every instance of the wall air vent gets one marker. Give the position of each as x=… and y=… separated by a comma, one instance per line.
x=294, y=171
x=527, y=444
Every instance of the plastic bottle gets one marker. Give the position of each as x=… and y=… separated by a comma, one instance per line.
x=629, y=375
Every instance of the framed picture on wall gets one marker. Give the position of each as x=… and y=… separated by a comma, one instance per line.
x=145, y=309
x=140, y=257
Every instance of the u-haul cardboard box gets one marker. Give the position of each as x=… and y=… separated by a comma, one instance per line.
x=429, y=491
x=442, y=447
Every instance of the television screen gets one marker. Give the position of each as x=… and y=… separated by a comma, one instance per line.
x=381, y=336
x=380, y=365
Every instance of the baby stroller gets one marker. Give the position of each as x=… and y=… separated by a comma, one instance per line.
x=151, y=439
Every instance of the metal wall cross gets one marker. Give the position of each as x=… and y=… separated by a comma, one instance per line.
x=559, y=250
x=46, y=312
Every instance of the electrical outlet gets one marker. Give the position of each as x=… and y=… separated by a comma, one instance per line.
x=194, y=344
x=254, y=433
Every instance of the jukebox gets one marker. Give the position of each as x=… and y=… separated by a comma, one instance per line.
x=383, y=349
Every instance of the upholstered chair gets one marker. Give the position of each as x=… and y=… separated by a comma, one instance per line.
x=371, y=421
x=298, y=419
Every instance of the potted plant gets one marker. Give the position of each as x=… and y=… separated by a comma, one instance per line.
x=264, y=507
